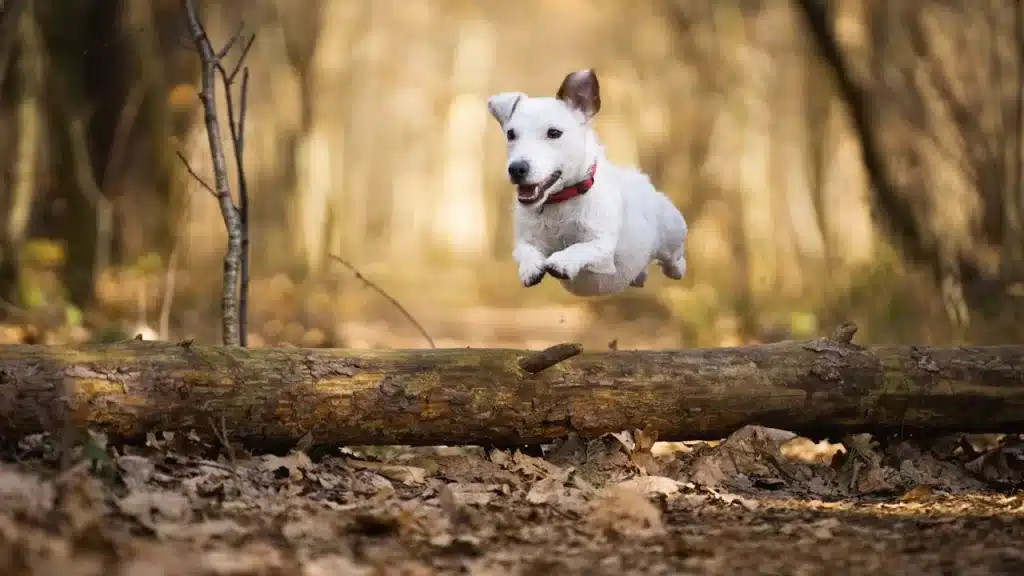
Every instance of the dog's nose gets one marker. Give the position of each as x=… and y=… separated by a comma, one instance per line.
x=518, y=171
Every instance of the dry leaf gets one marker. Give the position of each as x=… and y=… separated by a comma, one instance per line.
x=367, y=482
x=151, y=507
x=295, y=463
x=547, y=489
x=751, y=453
x=408, y=475
x=917, y=493
x=136, y=471
x=474, y=494
x=625, y=511
x=334, y=565
x=650, y=485
x=531, y=467
x=727, y=498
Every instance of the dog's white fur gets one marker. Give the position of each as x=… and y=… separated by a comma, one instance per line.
x=602, y=241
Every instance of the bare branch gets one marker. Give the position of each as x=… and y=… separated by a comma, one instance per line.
x=237, y=128
x=231, y=42
x=232, y=257
x=241, y=59
x=369, y=283
x=195, y=174
x=243, y=207
x=548, y=357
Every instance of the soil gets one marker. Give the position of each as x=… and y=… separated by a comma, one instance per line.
x=760, y=502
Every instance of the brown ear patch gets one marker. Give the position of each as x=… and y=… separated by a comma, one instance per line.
x=582, y=91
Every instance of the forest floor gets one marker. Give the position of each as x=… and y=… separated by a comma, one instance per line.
x=760, y=502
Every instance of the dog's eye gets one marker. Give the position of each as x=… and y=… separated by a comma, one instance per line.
x=554, y=133
x=511, y=134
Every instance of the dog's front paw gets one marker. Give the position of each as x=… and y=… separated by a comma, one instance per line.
x=560, y=268
x=531, y=275
x=556, y=271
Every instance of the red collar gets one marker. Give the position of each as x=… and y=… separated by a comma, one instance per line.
x=578, y=189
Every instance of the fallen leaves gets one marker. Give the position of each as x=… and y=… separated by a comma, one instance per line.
x=355, y=512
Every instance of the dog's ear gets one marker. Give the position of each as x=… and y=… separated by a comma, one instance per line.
x=581, y=91
x=503, y=104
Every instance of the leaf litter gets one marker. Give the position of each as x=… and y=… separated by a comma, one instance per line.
x=760, y=501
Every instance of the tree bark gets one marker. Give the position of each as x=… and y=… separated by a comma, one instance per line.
x=269, y=398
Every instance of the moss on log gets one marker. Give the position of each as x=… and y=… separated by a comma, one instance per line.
x=272, y=397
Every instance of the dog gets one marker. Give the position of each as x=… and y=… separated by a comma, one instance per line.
x=591, y=224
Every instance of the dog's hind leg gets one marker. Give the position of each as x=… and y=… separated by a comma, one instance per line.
x=674, y=267
x=640, y=279
x=673, y=230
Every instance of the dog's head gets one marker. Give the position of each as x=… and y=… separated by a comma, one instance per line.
x=548, y=138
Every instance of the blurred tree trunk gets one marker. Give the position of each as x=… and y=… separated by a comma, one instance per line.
x=932, y=120
x=460, y=216
x=425, y=81
x=311, y=147
x=141, y=180
x=1012, y=262
x=88, y=86
x=333, y=64
x=19, y=28
x=10, y=16
x=358, y=160
x=798, y=231
x=85, y=64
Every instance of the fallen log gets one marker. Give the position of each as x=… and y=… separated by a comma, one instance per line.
x=270, y=398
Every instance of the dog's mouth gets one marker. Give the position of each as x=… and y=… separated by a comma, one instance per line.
x=528, y=194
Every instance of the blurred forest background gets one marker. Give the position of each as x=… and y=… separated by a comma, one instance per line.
x=368, y=137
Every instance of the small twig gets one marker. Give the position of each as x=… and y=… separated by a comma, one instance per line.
x=221, y=433
x=241, y=59
x=195, y=174
x=231, y=41
x=218, y=466
x=140, y=309
x=93, y=192
x=122, y=130
x=359, y=276
x=171, y=272
x=548, y=357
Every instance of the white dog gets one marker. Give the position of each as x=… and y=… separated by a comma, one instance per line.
x=593, y=225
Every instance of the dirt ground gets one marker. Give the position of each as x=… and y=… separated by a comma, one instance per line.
x=760, y=502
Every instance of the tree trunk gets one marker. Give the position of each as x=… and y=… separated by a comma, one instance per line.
x=269, y=398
